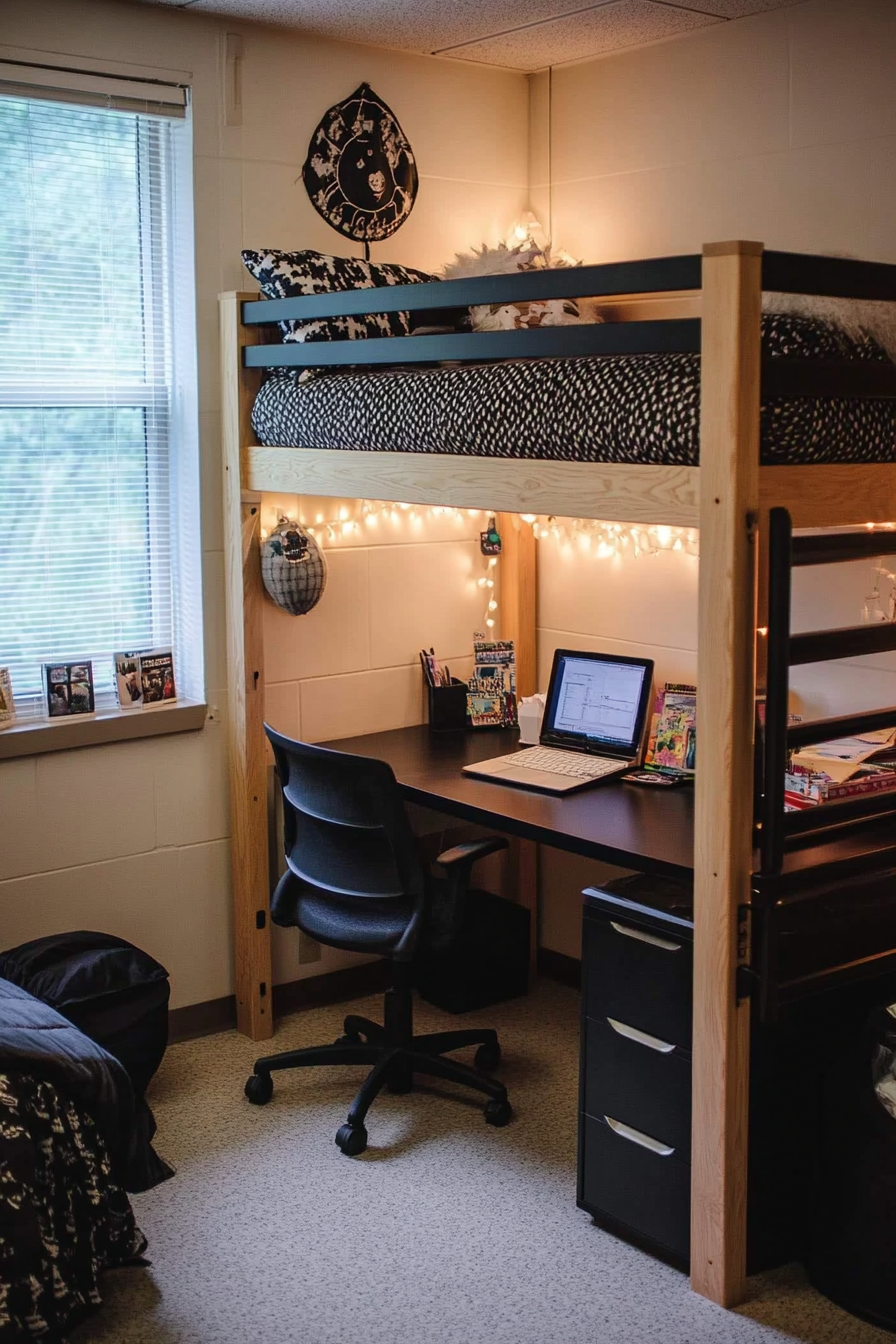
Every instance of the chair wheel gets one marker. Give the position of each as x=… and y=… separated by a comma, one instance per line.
x=348, y=1038
x=259, y=1088
x=351, y=1139
x=488, y=1057
x=498, y=1113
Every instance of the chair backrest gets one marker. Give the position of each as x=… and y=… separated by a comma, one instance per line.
x=346, y=832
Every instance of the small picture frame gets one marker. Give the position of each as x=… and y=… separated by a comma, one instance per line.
x=128, y=682
x=7, y=703
x=145, y=679
x=157, y=678
x=68, y=688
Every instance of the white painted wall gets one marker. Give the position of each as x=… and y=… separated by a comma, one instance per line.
x=781, y=128
x=133, y=839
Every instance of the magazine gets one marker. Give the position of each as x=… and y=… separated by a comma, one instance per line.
x=672, y=743
x=157, y=677
x=128, y=684
x=491, y=691
x=7, y=704
x=68, y=688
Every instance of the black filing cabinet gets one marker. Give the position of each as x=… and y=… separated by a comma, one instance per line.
x=634, y=1162
x=634, y=1169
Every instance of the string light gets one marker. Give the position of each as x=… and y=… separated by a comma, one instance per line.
x=606, y=541
x=592, y=537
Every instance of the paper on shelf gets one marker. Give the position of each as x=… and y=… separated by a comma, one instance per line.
x=841, y=758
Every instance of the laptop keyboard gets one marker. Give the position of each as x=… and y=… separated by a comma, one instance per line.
x=566, y=763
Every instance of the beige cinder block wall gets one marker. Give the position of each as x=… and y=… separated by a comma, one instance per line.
x=133, y=839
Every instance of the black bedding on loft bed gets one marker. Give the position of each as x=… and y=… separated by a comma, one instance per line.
x=640, y=408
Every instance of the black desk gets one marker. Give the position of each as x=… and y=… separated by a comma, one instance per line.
x=651, y=830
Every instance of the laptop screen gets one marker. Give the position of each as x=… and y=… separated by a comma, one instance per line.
x=597, y=702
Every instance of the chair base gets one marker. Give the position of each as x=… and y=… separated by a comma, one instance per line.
x=396, y=1057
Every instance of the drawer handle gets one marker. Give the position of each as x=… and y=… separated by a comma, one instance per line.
x=633, y=1034
x=642, y=937
x=635, y=1136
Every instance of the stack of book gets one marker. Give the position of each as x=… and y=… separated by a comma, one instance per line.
x=847, y=768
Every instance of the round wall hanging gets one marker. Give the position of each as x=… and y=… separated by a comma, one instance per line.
x=293, y=568
x=360, y=172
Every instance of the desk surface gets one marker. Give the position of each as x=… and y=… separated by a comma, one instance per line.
x=651, y=830
x=646, y=829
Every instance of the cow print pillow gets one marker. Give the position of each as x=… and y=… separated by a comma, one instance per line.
x=289, y=275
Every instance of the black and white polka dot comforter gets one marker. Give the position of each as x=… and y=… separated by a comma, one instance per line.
x=604, y=408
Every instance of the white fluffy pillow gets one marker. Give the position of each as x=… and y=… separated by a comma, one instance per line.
x=503, y=260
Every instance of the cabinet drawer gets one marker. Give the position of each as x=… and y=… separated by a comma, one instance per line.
x=647, y=1192
x=639, y=976
x=642, y=1082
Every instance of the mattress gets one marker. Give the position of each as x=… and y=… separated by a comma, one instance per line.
x=607, y=408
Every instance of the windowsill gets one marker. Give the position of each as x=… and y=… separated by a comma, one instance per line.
x=36, y=736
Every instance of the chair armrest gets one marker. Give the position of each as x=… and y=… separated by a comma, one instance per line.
x=468, y=853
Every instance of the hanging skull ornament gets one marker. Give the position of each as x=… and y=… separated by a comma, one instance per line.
x=293, y=568
x=360, y=172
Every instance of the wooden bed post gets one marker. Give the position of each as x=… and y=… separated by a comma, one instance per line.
x=519, y=599
x=729, y=503
x=245, y=670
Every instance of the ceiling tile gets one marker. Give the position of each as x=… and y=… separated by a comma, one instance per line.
x=592, y=32
x=735, y=9
x=519, y=34
x=410, y=25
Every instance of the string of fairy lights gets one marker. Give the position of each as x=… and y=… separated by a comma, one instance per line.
x=602, y=540
x=584, y=537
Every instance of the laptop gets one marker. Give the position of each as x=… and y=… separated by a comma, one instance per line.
x=593, y=726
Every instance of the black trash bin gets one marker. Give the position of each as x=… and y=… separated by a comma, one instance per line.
x=851, y=1253
x=488, y=963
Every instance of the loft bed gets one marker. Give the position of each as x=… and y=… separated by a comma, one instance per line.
x=727, y=493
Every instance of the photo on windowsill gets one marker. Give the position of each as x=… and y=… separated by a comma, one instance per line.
x=7, y=704
x=128, y=684
x=68, y=689
x=145, y=680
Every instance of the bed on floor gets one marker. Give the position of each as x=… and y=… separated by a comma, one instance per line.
x=707, y=420
x=71, y=1145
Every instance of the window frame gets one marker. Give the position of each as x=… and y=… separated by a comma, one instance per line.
x=170, y=418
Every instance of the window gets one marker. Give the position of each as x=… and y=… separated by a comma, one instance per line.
x=98, y=458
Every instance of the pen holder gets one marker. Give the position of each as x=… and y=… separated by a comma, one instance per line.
x=448, y=707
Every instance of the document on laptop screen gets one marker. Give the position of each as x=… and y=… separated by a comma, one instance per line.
x=599, y=700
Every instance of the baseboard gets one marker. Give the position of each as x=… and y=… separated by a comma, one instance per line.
x=558, y=966
x=201, y=1019
x=352, y=982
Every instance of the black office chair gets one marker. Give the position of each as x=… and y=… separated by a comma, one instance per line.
x=355, y=880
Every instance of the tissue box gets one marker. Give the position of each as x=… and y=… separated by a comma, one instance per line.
x=530, y=712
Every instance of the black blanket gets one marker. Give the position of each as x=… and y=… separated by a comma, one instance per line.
x=37, y=1041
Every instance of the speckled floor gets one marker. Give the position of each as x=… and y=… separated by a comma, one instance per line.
x=445, y=1232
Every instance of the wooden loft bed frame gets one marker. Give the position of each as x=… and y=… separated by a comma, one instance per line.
x=728, y=497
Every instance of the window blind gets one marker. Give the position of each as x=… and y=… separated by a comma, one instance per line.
x=89, y=236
